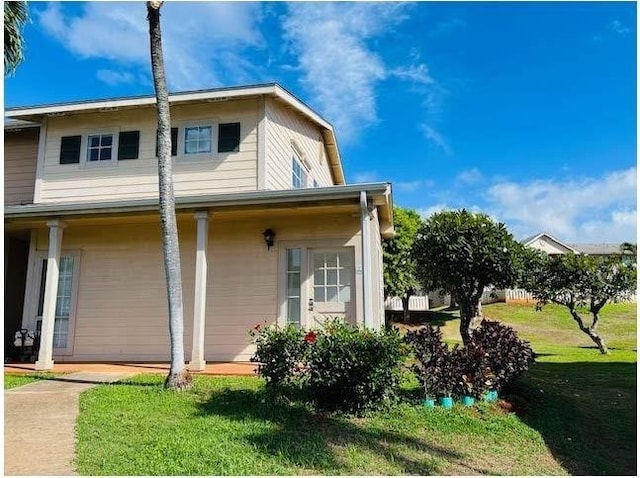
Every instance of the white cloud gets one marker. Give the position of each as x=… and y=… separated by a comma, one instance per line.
x=436, y=138
x=616, y=26
x=119, y=32
x=447, y=26
x=427, y=212
x=413, y=186
x=417, y=73
x=366, y=177
x=337, y=65
x=469, y=176
x=112, y=78
x=578, y=210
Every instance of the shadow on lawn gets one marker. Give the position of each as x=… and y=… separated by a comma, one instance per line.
x=585, y=411
x=311, y=440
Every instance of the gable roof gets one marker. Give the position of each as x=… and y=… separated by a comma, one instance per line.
x=38, y=112
x=528, y=241
x=598, y=249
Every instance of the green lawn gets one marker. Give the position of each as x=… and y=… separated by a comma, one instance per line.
x=228, y=426
x=576, y=414
x=582, y=402
x=19, y=379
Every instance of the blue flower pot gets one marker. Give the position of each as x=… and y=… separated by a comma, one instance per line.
x=468, y=401
x=445, y=402
x=429, y=403
x=490, y=396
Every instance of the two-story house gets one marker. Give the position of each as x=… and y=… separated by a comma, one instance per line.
x=269, y=231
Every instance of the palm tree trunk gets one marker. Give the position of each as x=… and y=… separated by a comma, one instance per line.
x=178, y=378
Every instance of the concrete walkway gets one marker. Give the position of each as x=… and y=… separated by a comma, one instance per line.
x=39, y=423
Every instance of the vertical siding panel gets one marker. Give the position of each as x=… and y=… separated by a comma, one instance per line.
x=20, y=160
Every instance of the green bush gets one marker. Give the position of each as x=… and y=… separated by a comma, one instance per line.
x=280, y=354
x=338, y=368
x=354, y=370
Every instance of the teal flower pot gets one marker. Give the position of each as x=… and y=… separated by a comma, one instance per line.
x=429, y=403
x=468, y=401
x=445, y=402
x=490, y=396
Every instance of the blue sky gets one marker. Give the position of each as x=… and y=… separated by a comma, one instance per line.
x=525, y=111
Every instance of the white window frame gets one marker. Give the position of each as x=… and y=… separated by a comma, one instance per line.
x=36, y=276
x=303, y=177
x=307, y=318
x=183, y=126
x=84, y=148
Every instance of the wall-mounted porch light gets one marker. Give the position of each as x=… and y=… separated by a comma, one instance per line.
x=269, y=237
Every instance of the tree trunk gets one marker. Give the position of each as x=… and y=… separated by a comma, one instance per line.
x=178, y=378
x=468, y=310
x=405, y=308
x=590, y=331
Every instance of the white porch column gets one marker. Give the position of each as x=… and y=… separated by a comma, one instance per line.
x=199, y=302
x=45, y=356
x=367, y=295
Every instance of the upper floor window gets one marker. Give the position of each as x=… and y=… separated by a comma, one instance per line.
x=100, y=147
x=299, y=174
x=197, y=139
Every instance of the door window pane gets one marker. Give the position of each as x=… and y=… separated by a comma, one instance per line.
x=63, y=299
x=293, y=286
x=332, y=277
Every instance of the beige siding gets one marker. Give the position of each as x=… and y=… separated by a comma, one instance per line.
x=217, y=173
x=121, y=311
x=377, y=279
x=20, y=160
x=285, y=128
x=548, y=246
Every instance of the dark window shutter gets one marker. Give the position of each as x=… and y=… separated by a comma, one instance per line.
x=228, y=137
x=128, y=145
x=174, y=142
x=70, y=149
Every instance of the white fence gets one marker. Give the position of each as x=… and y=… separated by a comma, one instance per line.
x=416, y=302
x=518, y=295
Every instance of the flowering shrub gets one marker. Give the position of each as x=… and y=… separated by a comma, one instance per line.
x=279, y=354
x=353, y=370
x=339, y=367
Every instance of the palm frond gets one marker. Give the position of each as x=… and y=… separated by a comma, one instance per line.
x=15, y=16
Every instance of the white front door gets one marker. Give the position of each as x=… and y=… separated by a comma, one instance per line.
x=331, y=282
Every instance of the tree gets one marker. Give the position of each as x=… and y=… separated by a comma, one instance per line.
x=15, y=17
x=399, y=265
x=462, y=253
x=178, y=378
x=579, y=281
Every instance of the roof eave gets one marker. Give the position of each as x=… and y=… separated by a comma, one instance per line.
x=380, y=193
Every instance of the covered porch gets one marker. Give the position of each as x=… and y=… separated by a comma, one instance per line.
x=94, y=284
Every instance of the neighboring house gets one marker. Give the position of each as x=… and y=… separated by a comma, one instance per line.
x=547, y=243
x=269, y=231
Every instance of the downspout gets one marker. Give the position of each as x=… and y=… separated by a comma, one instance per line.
x=366, y=261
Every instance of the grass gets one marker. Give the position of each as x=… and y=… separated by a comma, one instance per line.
x=19, y=379
x=230, y=426
x=576, y=414
x=582, y=402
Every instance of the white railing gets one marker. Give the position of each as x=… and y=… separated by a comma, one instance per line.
x=416, y=302
x=519, y=295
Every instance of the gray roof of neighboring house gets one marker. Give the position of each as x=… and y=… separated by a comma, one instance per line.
x=597, y=249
